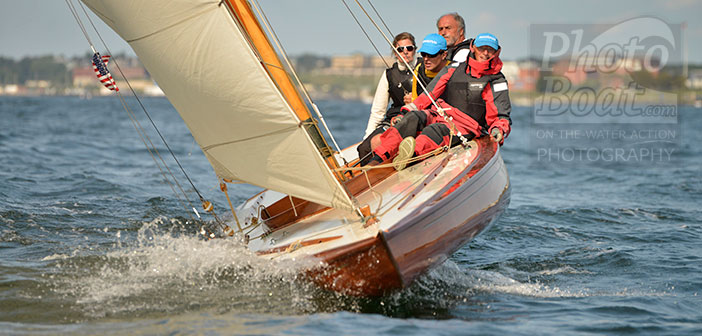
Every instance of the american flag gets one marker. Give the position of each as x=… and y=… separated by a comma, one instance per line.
x=100, y=67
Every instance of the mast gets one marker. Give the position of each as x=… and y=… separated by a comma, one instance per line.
x=269, y=58
x=260, y=43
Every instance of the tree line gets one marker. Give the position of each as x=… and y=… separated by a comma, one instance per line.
x=47, y=68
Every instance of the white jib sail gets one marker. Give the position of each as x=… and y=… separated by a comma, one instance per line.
x=202, y=61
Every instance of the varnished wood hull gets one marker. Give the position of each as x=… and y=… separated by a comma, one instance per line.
x=433, y=234
x=430, y=220
x=363, y=269
x=394, y=259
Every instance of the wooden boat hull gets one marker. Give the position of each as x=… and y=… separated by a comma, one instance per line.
x=424, y=216
x=393, y=259
x=434, y=233
x=364, y=269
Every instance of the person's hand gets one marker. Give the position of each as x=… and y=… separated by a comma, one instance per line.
x=407, y=98
x=408, y=107
x=396, y=119
x=496, y=134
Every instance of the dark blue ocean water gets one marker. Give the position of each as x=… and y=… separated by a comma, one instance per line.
x=92, y=241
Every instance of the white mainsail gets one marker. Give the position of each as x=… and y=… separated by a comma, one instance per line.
x=198, y=55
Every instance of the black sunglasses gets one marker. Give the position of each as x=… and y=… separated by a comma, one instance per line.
x=425, y=55
x=402, y=48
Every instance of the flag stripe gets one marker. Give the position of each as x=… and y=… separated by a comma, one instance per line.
x=103, y=75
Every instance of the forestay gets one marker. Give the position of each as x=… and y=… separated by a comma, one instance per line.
x=247, y=129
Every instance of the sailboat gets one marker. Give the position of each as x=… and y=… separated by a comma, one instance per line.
x=369, y=231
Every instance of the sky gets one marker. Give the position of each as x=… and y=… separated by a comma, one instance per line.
x=325, y=27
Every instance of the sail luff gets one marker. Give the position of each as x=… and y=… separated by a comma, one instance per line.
x=273, y=65
x=246, y=17
x=201, y=59
x=269, y=57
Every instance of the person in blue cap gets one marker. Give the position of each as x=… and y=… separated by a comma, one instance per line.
x=434, y=52
x=485, y=47
x=474, y=94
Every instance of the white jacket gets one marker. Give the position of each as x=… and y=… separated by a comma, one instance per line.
x=382, y=99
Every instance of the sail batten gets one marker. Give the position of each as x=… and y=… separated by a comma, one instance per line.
x=236, y=108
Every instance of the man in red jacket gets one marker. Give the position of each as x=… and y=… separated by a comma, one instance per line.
x=473, y=98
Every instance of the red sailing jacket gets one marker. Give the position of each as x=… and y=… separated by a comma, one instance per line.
x=477, y=90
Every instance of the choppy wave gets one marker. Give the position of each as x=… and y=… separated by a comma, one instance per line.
x=92, y=241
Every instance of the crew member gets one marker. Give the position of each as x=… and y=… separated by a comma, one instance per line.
x=394, y=83
x=395, y=86
x=433, y=51
x=473, y=94
x=452, y=27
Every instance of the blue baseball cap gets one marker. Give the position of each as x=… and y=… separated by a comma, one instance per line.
x=432, y=44
x=486, y=39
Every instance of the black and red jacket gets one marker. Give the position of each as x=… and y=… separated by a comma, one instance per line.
x=478, y=90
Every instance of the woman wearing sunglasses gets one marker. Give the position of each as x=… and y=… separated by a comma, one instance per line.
x=474, y=95
x=395, y=86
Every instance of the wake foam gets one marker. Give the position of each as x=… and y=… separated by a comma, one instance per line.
x=473, y=281
x=165, y=271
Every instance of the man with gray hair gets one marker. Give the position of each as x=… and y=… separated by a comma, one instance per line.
x=452, y=27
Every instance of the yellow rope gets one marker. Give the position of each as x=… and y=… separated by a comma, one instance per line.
x=393, y=164
x=223, y=187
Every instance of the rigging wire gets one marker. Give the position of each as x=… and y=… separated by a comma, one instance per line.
x=143, y=135
x=148, y=115
x=381, y=18
x=80, y=23
x=366, y=33
x=439, y=109
x=140, y=130
x=262, y=14
x=150, y=147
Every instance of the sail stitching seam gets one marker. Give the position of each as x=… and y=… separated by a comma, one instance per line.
x=173, y=25
x=285, y=130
